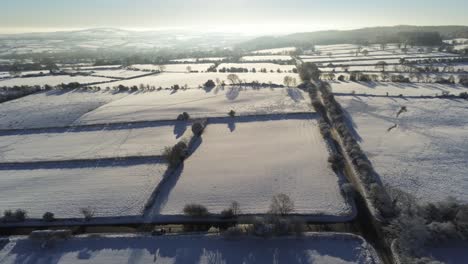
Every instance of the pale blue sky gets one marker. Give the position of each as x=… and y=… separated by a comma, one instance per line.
x=253, y=15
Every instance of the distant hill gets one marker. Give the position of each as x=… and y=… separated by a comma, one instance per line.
x=358, y=36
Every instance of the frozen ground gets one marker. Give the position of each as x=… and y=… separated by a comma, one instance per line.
x=199, y=59
x=175, y=67
x=278, y=51
x=249, y=160
x=51, y=108
x=52, y=80
x=258, y=66
x=266, y=58
x=135, y=249
x=166, y=105
x=395, y=89
x=194, y=80
x=110, y=188
x=426, y=154
x=118, y=73
x=88, y=143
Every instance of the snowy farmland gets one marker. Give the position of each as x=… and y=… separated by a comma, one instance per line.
x=395, y=89
x=111, y=189
x=290, y=157
x=51, y=108
x=52, y=80
x=175, y=67
x=425, y=154
x=118, y=73
x=278, y=51
x=258, y=66
x=167, y=105
x=194, y=80
x=266, y=58
x=313, y=248
x=91, y=142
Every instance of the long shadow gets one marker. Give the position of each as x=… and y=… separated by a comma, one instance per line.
x=191, y=249
x=295, y=94
x=83, y=163
x=179, y=128
x=233, y=93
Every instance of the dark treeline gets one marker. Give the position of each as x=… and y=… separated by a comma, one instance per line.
x=413, y=35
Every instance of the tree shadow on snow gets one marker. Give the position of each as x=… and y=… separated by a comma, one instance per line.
x=179, y=128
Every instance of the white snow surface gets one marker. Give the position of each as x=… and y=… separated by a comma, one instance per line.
x=52, y=80
x=267, y=58
x=88, y=143
x=51, y=108
x=110, y=190
x=426, y=154
x=313, y=248
x=395, y=89
x=182, y=67
x=249, y=160
x=194, y=80
x=166, y=105
x=258, y=66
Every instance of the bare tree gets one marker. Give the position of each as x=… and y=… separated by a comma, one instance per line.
x=189, y=68
x=381, y=65
x=233, y=78
x=287, y=81
x=365, y=52
x=281, y=204
x=161, y=68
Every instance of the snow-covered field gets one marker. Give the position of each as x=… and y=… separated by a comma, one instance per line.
x=118, y=73
x=89, y=143
x=164, y=105
x=109, y=189
x=426, y=154
x=52, y=80
x=183, y=67
x=266, y=58
x=395, y=89
x=314, y=248
x=199, y=59
x=278, y=51
x=251, y=159
x=52, y=108
x=194, y=80
x=258, y=66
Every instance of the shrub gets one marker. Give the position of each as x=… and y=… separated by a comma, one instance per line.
x=232, y=113
x=176, y=155
x=197, y=128
x=281, y=204
x=233, y=232
x=336, y=161
x=341, y=78
x=209, y=84
x=184, y=116
x=17, y=216
x=88, y=213
x=195, y=210
x=48, y=217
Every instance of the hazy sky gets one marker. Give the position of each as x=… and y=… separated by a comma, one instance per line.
x=243, y=15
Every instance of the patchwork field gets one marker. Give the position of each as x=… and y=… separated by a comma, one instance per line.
x=113, y=189
x=52, y=80
x=249, y=160
x=395, y=89
x=258, y=66
x=175, y=67
x=313, y=248
x=266, y=58
x=194, y=80
x=51, y=108
x=88, y=143
x=166, y=105
x=118, y=73
x=425, y=154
